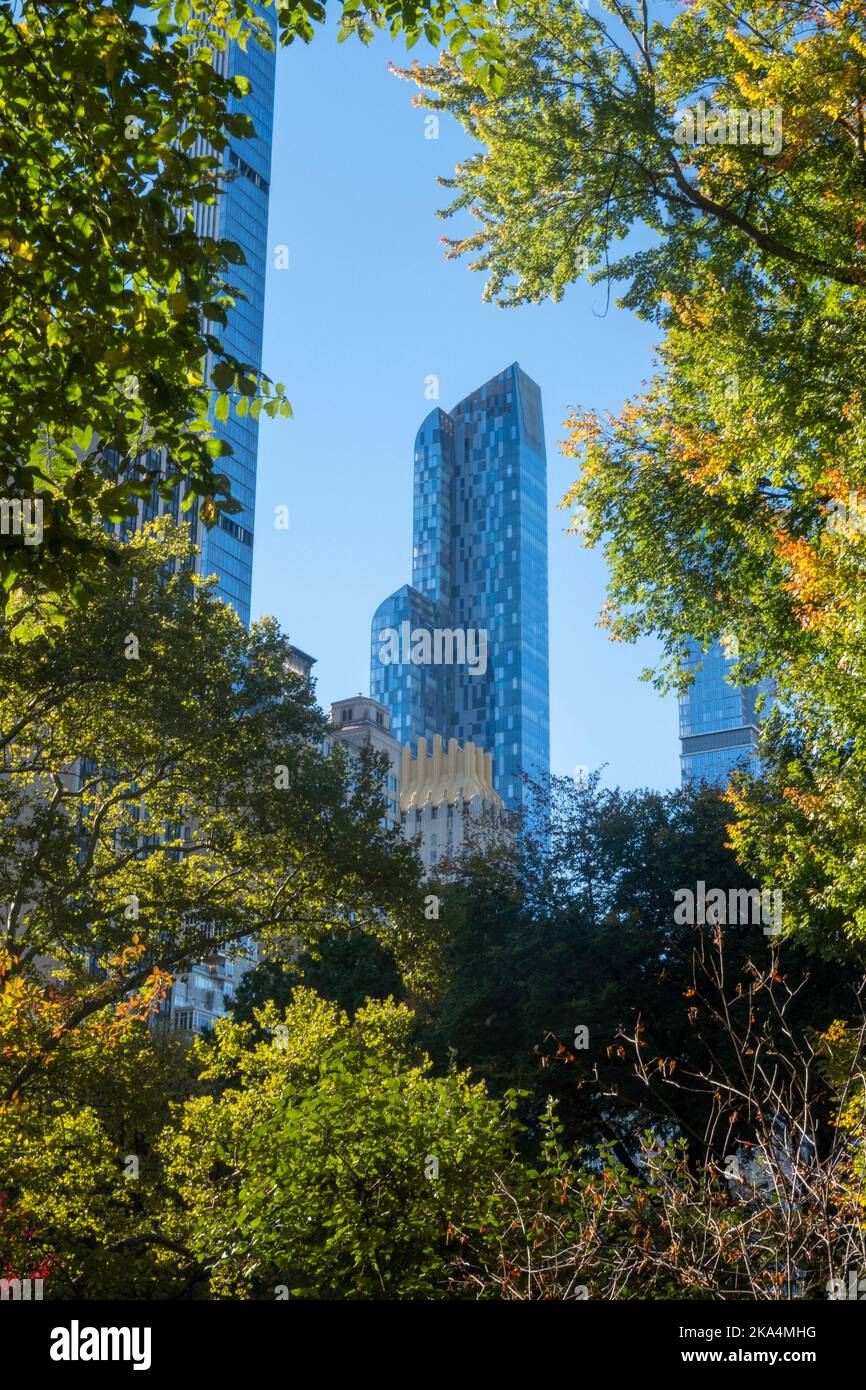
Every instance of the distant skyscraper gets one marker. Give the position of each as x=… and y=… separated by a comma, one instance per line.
x=719, y=725
x=240, y=214
x=479, y=587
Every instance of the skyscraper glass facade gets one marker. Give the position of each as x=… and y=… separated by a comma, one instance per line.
x=241, y=215
x=719, y=721
x=416, y=693
x=479, y=567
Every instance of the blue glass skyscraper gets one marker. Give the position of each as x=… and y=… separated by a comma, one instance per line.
x=240, y=214
x=479, y=578
x=719, y=721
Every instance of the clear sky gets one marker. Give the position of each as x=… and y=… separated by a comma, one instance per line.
x=368, y=309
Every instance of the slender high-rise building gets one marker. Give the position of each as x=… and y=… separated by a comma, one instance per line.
x=719, y=721
x=462, y=652
x=240, y=214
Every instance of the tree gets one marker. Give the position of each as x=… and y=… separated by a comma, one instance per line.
x=330, y=1163
x=114, y=122
x=558, y=949
x=167, y=795
x=346, y=967
x=728, y=496
x=82, y=1192
x=778, y=1217
x=585, y=139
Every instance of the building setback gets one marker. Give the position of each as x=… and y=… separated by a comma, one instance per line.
x=479, y=587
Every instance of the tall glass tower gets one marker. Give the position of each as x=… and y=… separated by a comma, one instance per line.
x=719, y=722
x=240, y=214
x=479, y=576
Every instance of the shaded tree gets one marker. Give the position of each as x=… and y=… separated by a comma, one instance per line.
x=558, y=947
x=347, y=968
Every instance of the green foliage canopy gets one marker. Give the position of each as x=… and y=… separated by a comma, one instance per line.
x=114, y=125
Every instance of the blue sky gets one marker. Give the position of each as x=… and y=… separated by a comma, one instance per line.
x=366, y=311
